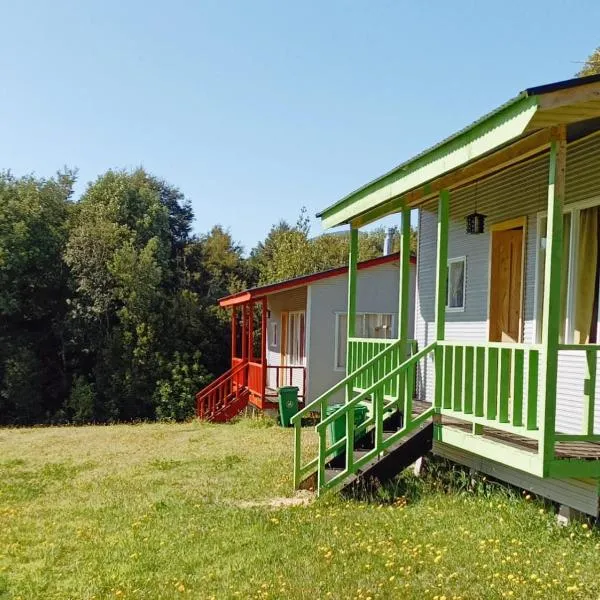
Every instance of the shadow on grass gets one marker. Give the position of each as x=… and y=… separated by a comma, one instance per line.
x=437, y=476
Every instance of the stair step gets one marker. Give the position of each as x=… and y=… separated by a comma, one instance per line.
x=358, y=454
x=331, y=473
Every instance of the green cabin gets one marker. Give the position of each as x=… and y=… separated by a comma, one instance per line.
x=501, y=373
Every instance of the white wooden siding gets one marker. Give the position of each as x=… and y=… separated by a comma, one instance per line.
x=519, y=191
x=377, y=292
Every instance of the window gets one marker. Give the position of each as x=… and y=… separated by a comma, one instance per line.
x=368, y=325
x=273, y=334
x=455, y=288
x=579, y=281
x=296, y=338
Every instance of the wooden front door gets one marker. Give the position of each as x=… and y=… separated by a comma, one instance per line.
x=506, y=283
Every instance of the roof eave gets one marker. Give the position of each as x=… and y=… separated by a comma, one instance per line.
x=495, y=129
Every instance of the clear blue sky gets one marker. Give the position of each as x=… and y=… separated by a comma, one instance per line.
x=256, y=108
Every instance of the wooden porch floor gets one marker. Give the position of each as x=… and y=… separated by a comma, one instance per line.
x=563, y=450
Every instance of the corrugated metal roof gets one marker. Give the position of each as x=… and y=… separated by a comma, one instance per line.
x=264, y=290
x=532, y=91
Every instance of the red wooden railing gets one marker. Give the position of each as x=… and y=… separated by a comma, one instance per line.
x=287, y=375
x=223, y=391
x=256, y=378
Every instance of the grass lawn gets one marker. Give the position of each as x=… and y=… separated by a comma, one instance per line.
x=184, y=511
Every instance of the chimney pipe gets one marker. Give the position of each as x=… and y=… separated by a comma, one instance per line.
x=387, y=242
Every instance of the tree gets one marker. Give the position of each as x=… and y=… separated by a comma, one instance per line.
x=289, y=251
x=591, y=65
x=34, y=286
x=120, y=251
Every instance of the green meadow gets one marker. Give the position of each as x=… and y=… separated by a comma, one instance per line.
x=207, y=511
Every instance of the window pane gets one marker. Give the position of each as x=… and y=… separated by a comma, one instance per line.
x=585, y=314
x=456, y=280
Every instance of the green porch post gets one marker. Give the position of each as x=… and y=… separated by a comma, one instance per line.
x=552, y=297
x=404, y=276
x=440, y=292
x=351, y=316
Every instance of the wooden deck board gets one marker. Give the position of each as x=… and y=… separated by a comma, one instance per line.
x=563, y=450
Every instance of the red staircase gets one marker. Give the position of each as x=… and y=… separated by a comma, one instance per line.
x=225, y=397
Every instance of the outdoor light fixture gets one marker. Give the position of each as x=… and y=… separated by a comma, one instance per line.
x=475, y=223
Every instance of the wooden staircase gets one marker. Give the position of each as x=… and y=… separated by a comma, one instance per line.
x=391, y=438
x=384, y=467
x=225, y=397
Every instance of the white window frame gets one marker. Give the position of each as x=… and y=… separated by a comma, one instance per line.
x=290, y=338
x=339, y=314
x=454, y=260
x=273, y=334
x=574, y=209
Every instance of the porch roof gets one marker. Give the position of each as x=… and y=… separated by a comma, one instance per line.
x=513, y=131
x=259, y=292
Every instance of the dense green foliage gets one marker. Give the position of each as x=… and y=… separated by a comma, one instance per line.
x=108, y=304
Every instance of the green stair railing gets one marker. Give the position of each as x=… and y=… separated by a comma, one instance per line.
x=380, y=365
x=405, y=373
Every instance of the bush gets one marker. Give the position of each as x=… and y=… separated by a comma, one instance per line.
x=174, y=396
x=82, y=401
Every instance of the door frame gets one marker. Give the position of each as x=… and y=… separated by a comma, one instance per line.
x=516, y=223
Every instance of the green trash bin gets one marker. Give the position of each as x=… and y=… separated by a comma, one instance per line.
x=337, y=428
x=288, y=404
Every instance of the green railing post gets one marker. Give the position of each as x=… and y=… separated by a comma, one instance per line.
x=350, y=438
x=551, y=320
x=440, y=293
x=351, y=315
x=404, y=288
x=297, y=453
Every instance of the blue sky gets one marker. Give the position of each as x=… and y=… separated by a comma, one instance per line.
x=256, y=108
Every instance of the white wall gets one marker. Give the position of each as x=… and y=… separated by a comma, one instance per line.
x=520, y=191
x=377, y=292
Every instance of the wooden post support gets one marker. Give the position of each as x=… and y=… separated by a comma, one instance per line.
x=440, y=292
x=263, y=346
x=251, y=332
x=233, y=333
x=551, y=320
x=244, y=334
x=352, y=272
x=403, y=315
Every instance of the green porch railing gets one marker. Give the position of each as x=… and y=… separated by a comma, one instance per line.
x=373, y=369
x=491, y=384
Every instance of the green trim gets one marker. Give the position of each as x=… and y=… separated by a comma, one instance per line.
x=404, y=284
x=578, y=469
x=442, y=265
x=502, y=453
x=507, y=123
x=551, y=305
x=351, y=314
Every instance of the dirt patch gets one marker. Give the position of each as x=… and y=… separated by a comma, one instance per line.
x=301, y=498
